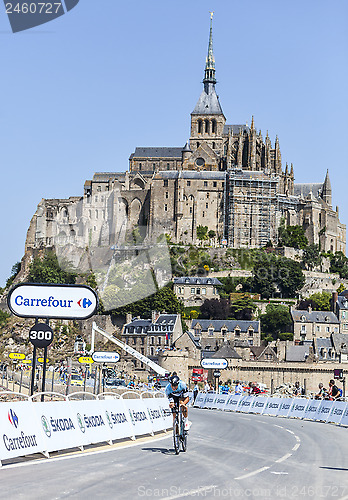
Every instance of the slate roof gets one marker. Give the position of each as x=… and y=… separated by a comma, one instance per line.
x=235, y=129
x=105, y=176
x=323, y=343
x=208, y=103
x=186, y=280
x=157, y=152
x=315, y=317
x=303, y=190
x=340, y=342
x=226, y=351
x=297, y=353
x=164, y=323
x=342, y=300
x=190, y=174
x=230, y=324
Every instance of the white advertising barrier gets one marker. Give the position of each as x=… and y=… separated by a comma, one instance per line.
x=20, y=432
x=199, y=402
x=298, y=409
x=166, y=412
x=273, y=406
x=246, y=403
x=92, y=421
x=285, y=407
x=139, y=416
x=59, y=425
x=220, y=401
x=209, y=400
x=190, y=395
x=259, y=405
x=312, y=409
x=324, y=411
x=337, y=412
x=233, y=402
x=155, y=412
x=344, y=419
x=118, y=418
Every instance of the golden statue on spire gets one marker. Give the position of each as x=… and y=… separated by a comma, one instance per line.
x=211, y=14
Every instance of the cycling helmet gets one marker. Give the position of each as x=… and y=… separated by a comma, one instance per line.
x=174, y=380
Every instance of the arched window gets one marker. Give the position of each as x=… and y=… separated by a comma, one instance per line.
x=213, y=145
x=206, y=126
x=200, y=126
x=213, y=127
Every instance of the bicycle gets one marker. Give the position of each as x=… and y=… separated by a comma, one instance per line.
x=179, y=433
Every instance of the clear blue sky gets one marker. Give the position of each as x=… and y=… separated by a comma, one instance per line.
x=81, y=92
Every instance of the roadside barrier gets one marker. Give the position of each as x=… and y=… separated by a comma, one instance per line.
x=33, y=426
x=309, y=409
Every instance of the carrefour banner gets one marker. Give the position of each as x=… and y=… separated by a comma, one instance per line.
x=298, y=409
x=139, y=416
x=337, y=411
x=20, y=430
x=259, y=405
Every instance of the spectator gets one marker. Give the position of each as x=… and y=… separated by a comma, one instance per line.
x=224, y=389
x=206, y=387
x=195, y=392
x=322, y=392
x=334, y=392
x=238, y=389
x=211, y=388
x=297, y=390
x=254, y=388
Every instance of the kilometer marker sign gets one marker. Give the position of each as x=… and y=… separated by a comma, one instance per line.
x=34, y=300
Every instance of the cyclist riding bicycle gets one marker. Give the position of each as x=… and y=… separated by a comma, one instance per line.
x=177, y=393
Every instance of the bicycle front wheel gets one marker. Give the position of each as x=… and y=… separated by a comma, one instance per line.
x=183, y=437
x=176, y=437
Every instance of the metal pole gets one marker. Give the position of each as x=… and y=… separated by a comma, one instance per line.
x=305, y=386
x=84, y=382
x=95, y=381
x=33, y=370
x=344, y=387
x=20, y=382
x=53, y=373
x=272, y=386
x=44, y=375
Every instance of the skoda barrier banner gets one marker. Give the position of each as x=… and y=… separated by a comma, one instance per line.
x=273, y=406
x=312, y=409
x=337, y=412
x=200, y=399
x=92, y=420
x=58, y=424
x=233, y=402
x=285, y=407
x=139, y=417
x=344, y=419
x=246, y=403
x=157, y=418
x=209, y=400
x=298, y=409
x=324, y=411
x=220, y=401
x=259, y=404
x=117, y=418
x=20, y=430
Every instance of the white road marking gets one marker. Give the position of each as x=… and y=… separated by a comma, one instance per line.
x=285, y=457
x=296, y=447
x=189, y=493
x=280, y=426
x=274, y=472
x=288, y=430
x=252, y=473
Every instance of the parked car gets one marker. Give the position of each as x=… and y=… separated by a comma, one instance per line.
x=76, y=379
x=115, y=382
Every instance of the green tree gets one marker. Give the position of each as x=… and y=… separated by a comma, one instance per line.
x=202, y=232
x=341, y=288
x=339, y=264
x=48, y=270
x=311, y=257
x=215, y=309
x=275, y=321
x=290, y=277
x=243, y=307
x=318, y=302
x=211, y=234
x=291, y=236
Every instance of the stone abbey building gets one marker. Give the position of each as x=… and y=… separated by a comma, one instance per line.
x=226, y=177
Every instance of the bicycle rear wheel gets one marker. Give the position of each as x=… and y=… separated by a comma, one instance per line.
x=176, y=437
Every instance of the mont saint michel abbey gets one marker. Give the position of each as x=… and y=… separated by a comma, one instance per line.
x=226, y=177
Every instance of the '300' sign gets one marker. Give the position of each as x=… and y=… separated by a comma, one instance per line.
x=41, y=335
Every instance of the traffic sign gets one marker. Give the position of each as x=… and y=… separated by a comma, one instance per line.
x=85, y=359
x=37, y=300
x=41, y=335
x=105, y=357
x=16, y=355
x=216, y=363
x=217, y=373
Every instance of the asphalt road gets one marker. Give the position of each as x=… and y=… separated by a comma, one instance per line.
x=229, y=456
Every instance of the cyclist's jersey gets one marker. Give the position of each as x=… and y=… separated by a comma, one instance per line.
x=180, y=392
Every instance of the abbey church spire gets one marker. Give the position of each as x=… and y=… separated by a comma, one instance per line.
x=209, y=73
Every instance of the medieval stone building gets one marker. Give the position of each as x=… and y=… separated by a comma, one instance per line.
x=226, y=177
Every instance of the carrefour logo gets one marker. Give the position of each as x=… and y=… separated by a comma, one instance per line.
x=13, y=418
x=84, y=303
